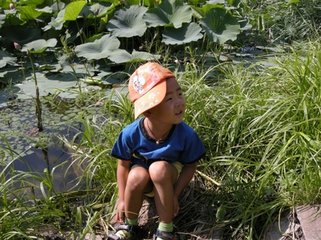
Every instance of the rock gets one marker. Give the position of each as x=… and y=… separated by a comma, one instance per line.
x=310, y=220
x=148, y=218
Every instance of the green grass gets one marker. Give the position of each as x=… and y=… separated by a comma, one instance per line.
x=267, y=138
x=261, y=128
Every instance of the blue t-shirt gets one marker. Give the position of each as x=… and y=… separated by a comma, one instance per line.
x=182, y=145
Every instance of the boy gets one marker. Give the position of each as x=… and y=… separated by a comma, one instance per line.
x=157, y=153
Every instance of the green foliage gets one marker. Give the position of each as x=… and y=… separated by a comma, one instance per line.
x=39, y=46
x=128, y=23
x=285, y=20
x=172, y=22
x=218, y=30
x=260, y=125
x=261, y=128
x=73, y=10
x=186, y=34
x=108, y=47
x=169, y=13
x=105, y=47
x=265, y=129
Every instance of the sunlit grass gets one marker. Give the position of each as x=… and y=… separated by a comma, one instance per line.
x=267, y=138
x=261, y=128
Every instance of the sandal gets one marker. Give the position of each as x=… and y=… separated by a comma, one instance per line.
x=164, y=235
x=124, y=232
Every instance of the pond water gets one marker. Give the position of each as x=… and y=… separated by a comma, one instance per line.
x=28, y=150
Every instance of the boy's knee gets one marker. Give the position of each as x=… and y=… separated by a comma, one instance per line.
x=160, y=171
x=137, y=179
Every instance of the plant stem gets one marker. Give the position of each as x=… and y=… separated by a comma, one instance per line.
x=38, y=103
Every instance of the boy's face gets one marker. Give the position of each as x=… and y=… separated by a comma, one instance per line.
x=171, y=110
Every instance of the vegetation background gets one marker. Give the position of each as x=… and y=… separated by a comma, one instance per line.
x=251, y=74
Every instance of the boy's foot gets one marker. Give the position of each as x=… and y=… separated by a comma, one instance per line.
x=124, y=232
x=164, y=235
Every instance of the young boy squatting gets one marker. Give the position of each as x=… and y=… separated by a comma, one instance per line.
x=157, y=153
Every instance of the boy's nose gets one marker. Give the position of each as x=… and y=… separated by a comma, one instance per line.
x=180, y=102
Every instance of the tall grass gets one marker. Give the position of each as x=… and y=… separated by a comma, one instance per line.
x=261, y=128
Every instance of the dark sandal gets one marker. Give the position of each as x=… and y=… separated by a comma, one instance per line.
x=164, y=235
x=131, y=230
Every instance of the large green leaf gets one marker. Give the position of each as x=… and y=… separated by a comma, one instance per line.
x=220, y=25
x=4, y=4
x=169, y=13
x=39, y=46
x=30, y=2
x=73, y=9
x=95, y=11
x=144, y=56
x=122, y=56
x=28, y=13
x=45, y=9
x=99, y=10
x=187, y=33
x=108, y=47
x=105, y=47
x=129, y=22
x=200, y=12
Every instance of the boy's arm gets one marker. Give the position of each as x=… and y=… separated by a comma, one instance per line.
x=122, y=175
x=184, y=178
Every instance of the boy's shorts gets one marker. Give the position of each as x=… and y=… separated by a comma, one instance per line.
x=177, y=165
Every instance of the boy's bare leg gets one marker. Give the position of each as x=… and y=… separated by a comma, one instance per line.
x=163, y=176
x=137, y=182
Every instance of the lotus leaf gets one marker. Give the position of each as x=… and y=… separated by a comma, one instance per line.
x=73, y=9
x=46, y=85
x=105, y=47
x=27, y=13
x=39, y=46
x=129, y=22
x=56, y=23
x=169, y=13
x=220, y=26
x=6, y=59
x=98, y=10
x=122, y=56
x=95, y=11
x=30, y=2
x=187, y=33
x=144, y=56
x=46, y=9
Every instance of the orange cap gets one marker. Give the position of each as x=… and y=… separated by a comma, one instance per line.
x=147, y=86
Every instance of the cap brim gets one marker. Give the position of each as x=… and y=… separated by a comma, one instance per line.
x=151, y=99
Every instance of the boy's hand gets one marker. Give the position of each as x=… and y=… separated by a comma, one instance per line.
x=120, y=214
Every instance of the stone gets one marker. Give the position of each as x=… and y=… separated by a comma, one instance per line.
x=310, y=220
